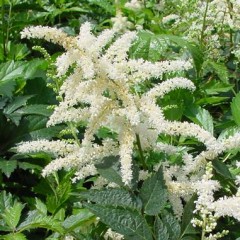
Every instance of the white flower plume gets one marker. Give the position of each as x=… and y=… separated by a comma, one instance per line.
x=99, y=91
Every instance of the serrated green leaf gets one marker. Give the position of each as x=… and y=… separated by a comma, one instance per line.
x=194, y=50
x=186, y=225
x=12, y=214
x=129, y=223
x=36, y=220
x=218, y=68
x=109, y=168
x=40, y=206
x=77, y=220
x=216, y=87
x=4, y=227
x=7, y=87
x=60, y=215
x=38, y=109
x=35, y=68
x=12, y=70
x=172, y=226
x=113, y=197
x=15, y=104
x=212, y=100
x=37, y=127
x=200, y=116
x=161, y=232
x=8, y=166
x=150, y=47
x=6, y=200
x=222, y=169
x=29, y=166
x=154, y=193
x=17, y=51
x=15, y=236
x=104, y=4
x=227, y=132
x=235, y=108
x=62, y=193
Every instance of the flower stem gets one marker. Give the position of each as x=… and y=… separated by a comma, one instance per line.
x=73, y=131
x=3, y=31
x=141, y=152
x=204, y=23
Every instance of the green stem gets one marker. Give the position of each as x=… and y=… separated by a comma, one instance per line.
x=8, y=22
x=141, y=152
x=230, y=9
x=3, y=31
x=204, y=23
x=203, y=229
x=73, y=131
x=226, y=158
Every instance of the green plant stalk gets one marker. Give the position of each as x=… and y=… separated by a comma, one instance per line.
x=141, y=152
x=204, y=23
x=73, y=131
x=203, y=229
x=230, y=9
x=3, y=32
x=8, y=22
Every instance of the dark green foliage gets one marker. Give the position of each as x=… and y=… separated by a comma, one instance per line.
x=154, y=194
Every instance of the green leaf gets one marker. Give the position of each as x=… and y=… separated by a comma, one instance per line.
x=7, y=166
x=36, y=220
x=6, y=201
x=77, y=220
x=172, y=225
x=194, y=50
x=104, y=4
x=36, y=68
x=12, y=214
x=227, y=132
x=4, y=227
x=60, y=214
x=62, y=193
x=222, y=169
x=216, y=87
x=38, y=109
x=16, y=104
x=40, y=206
x=29, y=166
x=11, y=110
x=219, y=69
x=12, y=70
x=109, y=168
x=200, y=116
x=36, y=125
x=161, y=232
x=235, y=108
x=150, y=47
x=113, y=197
x=212, y=100
x=129, y=223
x=15, y=236
x=7, y=88
x=154, y=193
x=186, y=226
x=17, y=51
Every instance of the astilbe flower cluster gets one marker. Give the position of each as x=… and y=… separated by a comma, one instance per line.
x=100, y=91
x=209, y=22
